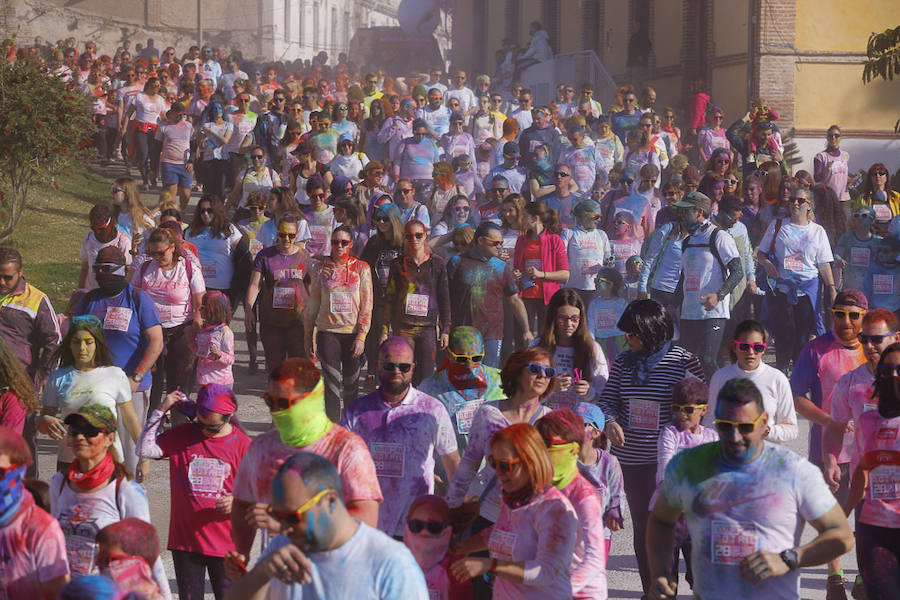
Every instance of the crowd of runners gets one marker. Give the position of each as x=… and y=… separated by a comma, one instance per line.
x=485, y=325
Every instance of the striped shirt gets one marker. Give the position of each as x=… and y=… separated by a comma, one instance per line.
x=643, y=410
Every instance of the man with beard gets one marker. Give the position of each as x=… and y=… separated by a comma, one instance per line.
x=541, y=133
x=822, y=362
x=132, y=329
x=744, y=500
x=323, y=552
x=403, y=428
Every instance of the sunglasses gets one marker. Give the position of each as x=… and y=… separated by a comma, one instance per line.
x=889, y=370
x=212, y=428
x=414, y=236
x=503, y=465
x=730, y=181
x=433, y=527
x=746, y=346
x=286, y=236
x=726, y=426
x=799, y=200
x=382, y=219
x=318, y=196
x=106, y=268
x=873, y=339
x=494, y=243
x=862, y=215
x=257, y=157
x=341, y=243
x=254, y=207
x=687, y=409
x=834, y=135
x=464, y=358
x=562, y=174
x=499, y=190
x=395, y=366
x=879, y=172
x=843, y=314
x=294, y=517
x=208, y=211
x=538, y=370
x=278, y=404
x=88, y=431
x=8, y=277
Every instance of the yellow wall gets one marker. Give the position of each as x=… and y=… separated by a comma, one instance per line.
x=496, y=31
x=729, y=90
x=570, y=26
x=846, y=101
x=730, y=27
x=842, y=25
x=667, y=23
x=616, y=22
x=668, y=91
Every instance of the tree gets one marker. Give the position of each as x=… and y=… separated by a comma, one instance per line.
x=883, y=59
x=45, y=123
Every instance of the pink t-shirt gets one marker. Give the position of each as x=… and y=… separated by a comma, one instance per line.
x=589, y=559
x=218, y=340
x=32, y=550
x=852, y=396
x=201, y=470
x=170, y=290
x=147, y=109
x=12, y=413
x=176, y=141
x=90, y=246
x=346, y=451
x=881, y=457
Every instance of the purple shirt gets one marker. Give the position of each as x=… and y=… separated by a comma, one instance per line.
x=402, y=439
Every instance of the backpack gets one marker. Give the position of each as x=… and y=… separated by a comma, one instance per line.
x=711, y=244
x=119, y=478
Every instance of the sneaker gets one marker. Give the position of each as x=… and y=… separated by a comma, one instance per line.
x=834, y=588
x=859, y=590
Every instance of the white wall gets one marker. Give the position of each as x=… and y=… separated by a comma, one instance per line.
x=864, y=152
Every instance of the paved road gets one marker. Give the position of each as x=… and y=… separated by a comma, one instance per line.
x=622, y=573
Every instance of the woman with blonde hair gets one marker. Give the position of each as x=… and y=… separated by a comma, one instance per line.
x=133, y=217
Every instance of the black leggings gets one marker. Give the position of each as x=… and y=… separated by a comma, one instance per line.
x=190, y=574
x=794, y=323
x=340, y=369
x=147, y=148
x=424, y=344
x=878, y=556
x=176, y=361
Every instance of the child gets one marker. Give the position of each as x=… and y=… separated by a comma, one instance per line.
x=601, y=468
x=624, y=243
x=632, y=273
x=214, y=344
x=126, y=549
x=604, y=311
x=648, y=189
x=856, y=249
x=432, y=550
x=690, y=400
x=464, y=175
x=883, y=277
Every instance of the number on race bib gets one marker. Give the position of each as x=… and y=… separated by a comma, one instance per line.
x=644, y=414
x=502, y=544
x=417, y=305
x=883, y=285
x=859, y=257
x=117, y=318
x=341, y=303
x=731, y=541
x=388, y=458
x=283, y=297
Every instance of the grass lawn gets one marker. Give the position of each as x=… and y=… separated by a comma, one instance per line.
x=50, y=232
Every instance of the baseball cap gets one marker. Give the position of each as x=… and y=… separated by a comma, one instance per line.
x=110, y=255
x=178, y=107
x=851, y=298
x=97, y=415
x=511, y=149
x=345, y=137
x=695, y=200
x=591, y=414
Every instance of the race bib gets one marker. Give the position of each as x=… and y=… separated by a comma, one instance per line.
x=884, y=482
x=644, y=414
x=208, y=269
x=606, y=318
x=283, y=297
x=165, y=312
x=794, y=262
x=731, y=542
x=417, y=305
x=82, y=553
x=341, y=303
x=319, y=234
x=692, y=282
x=388, y=458
x=117, y=318
x=465, y=414
x=502, y=544
x=206, y=476
x=882, y=212
x=883, y=284
x=859, y=257
x=589, y=243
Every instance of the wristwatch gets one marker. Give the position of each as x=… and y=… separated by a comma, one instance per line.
x=136, y=377
x=790, y=559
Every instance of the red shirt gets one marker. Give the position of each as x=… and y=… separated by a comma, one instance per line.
x=12, y=413
x=533, y=259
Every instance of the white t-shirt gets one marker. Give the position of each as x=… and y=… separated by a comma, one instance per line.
x=176, y=141
x=369, y=566
x=735, y=510
x=170, y=289
x=588, y=251
x=702, y=273
x=147, y=109
x=799, y=249
x=68, y=389
x=215, y=252
x=564, y=359
x=212, y=149
x=91, y=246
x=778, y=400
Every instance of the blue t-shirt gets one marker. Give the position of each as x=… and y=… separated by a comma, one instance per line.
x=124, y=325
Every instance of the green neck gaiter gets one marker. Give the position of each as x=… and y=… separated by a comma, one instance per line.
x=305, y=422
x=565, y=464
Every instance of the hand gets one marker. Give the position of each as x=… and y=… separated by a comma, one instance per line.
x=249, y=320
x=358, y=347
x=171, y=400
x=832, y=294
x=709, y=301
x=139, y=472
x=235, y=565
x=778, y=156
x=467, y=568
x=761, y=565
x=257, y=517
x=223, y=504
x=770, y=270
x=444, y=341
x=189, y=167
x=517, y=274
x=612, y=523
x=563, y=383
x=52, y=426
x=534, y=273
x=581, y=388
x=615, y=434
x=382, y=338
x=288, y=564
x=504, y=255
x=213, y=355
x=310, y=346
x=528, y=337
x=832, y=472
x=751, y=287
x=662, y=588
x=133, y=384
x=643, y=295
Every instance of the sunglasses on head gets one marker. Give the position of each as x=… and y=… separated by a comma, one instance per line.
x=687, y=409
x=843, y=314
x=503, y=465
x=286, y=236
x=537, y=369
x=414, y=236
x=746, y=346
x=341, y=243
x=294, y=517
x=87, y=430
x=464, y=358
x=726, y=426
x=433, y=527
x=395, y=366
x=889, y=370
x=873, y=339
x=278, y=404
